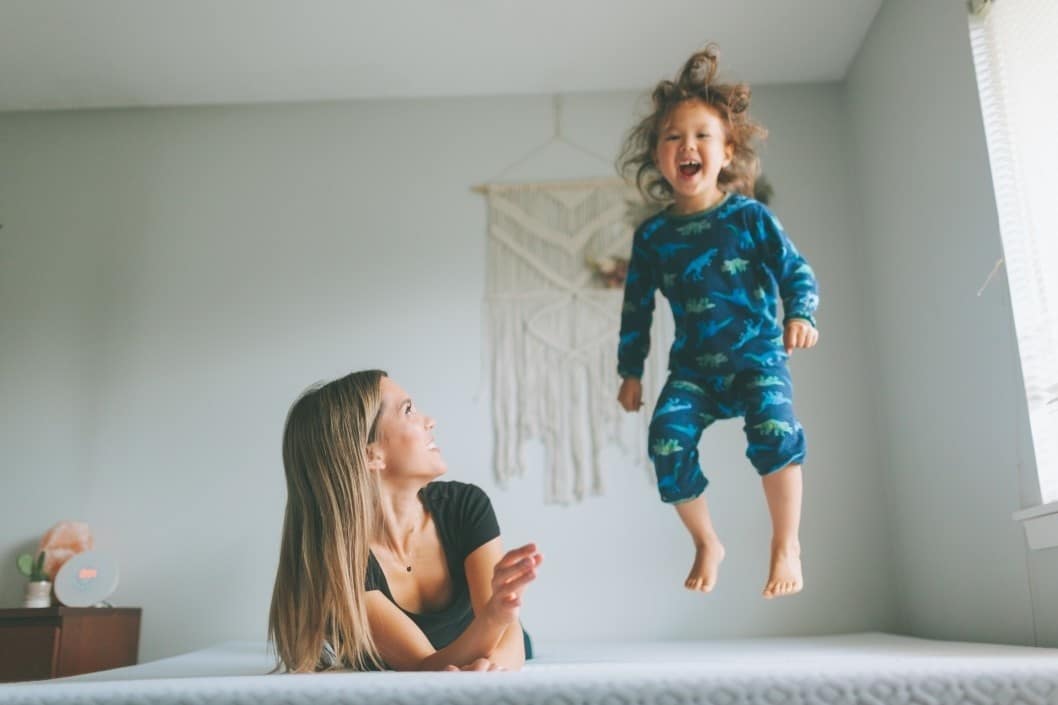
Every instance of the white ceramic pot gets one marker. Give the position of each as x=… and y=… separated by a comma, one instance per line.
x=38, y=594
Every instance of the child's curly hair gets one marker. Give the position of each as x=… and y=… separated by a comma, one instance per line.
x=731, y=103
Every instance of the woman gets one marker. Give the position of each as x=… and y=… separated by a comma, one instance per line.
x=380, y=566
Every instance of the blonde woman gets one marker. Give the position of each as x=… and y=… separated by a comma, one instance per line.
x=381, y=565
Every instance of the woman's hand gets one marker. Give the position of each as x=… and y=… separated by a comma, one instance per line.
x=799, y=333
x=510, y=577
x=481, y=664
x=630, y=396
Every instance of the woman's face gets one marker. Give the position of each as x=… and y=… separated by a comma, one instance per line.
x=404, y=440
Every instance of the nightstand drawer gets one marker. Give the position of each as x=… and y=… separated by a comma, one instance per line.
x=51, y=642
x=28, y=652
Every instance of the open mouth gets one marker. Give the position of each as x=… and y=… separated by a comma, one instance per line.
x=690, y=167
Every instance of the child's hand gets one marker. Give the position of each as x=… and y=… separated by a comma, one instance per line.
x=799, y=333
x=630, y=396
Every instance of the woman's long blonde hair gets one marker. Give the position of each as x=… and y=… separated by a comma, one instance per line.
x=332, y=513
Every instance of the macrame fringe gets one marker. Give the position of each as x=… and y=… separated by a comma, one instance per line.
x=552, y=335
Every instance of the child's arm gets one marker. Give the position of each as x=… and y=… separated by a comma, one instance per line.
x=637, y=310
x=797, y=284
x=797, y=281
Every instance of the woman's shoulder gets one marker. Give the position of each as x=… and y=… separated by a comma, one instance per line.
x=462, y=507
x=452, y=490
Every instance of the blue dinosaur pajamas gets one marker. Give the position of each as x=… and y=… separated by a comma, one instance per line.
x=685, y=408
x=722, y=271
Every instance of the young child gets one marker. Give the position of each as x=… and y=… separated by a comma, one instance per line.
x=719, y=257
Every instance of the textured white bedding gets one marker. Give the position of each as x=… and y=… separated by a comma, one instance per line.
x=875, y=669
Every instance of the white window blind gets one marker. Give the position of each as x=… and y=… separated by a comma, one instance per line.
x=1015, y=47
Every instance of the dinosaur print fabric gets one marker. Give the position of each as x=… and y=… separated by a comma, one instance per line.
x=688, y=404
x=723, y=272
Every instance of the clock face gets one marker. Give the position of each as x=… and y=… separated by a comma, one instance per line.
x=86, y=579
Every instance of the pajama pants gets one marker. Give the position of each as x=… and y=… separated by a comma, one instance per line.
x=690, y=402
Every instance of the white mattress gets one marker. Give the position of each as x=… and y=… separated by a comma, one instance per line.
x=873, y=669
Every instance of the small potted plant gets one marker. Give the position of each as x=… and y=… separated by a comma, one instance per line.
x=38, y=589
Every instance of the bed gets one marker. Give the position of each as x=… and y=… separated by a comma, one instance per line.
x=872, y=668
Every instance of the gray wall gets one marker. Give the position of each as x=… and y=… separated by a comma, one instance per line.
x=171, y=279
x=958, y=451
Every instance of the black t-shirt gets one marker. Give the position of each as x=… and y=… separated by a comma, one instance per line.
x=465, y=521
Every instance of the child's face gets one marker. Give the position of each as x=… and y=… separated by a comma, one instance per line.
x=692, y=149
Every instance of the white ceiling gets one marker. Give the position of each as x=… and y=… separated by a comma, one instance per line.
x=58, y=54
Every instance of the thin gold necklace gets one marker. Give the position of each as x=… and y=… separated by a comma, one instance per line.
x=397, y=558
x=392, y=545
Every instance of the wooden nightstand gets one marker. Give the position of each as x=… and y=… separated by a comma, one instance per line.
x=50, y=642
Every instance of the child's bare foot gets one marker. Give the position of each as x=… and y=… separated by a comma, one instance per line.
x=707, y=557
x=785, y=577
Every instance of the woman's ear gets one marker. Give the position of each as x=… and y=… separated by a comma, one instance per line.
x=376, y=459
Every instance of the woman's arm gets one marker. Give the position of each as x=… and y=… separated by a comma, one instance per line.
x=404, y=647
x=509, y=652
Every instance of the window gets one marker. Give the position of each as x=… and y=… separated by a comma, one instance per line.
x=1015, y=47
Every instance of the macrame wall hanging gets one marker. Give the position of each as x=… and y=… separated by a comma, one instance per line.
x=555, y=253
